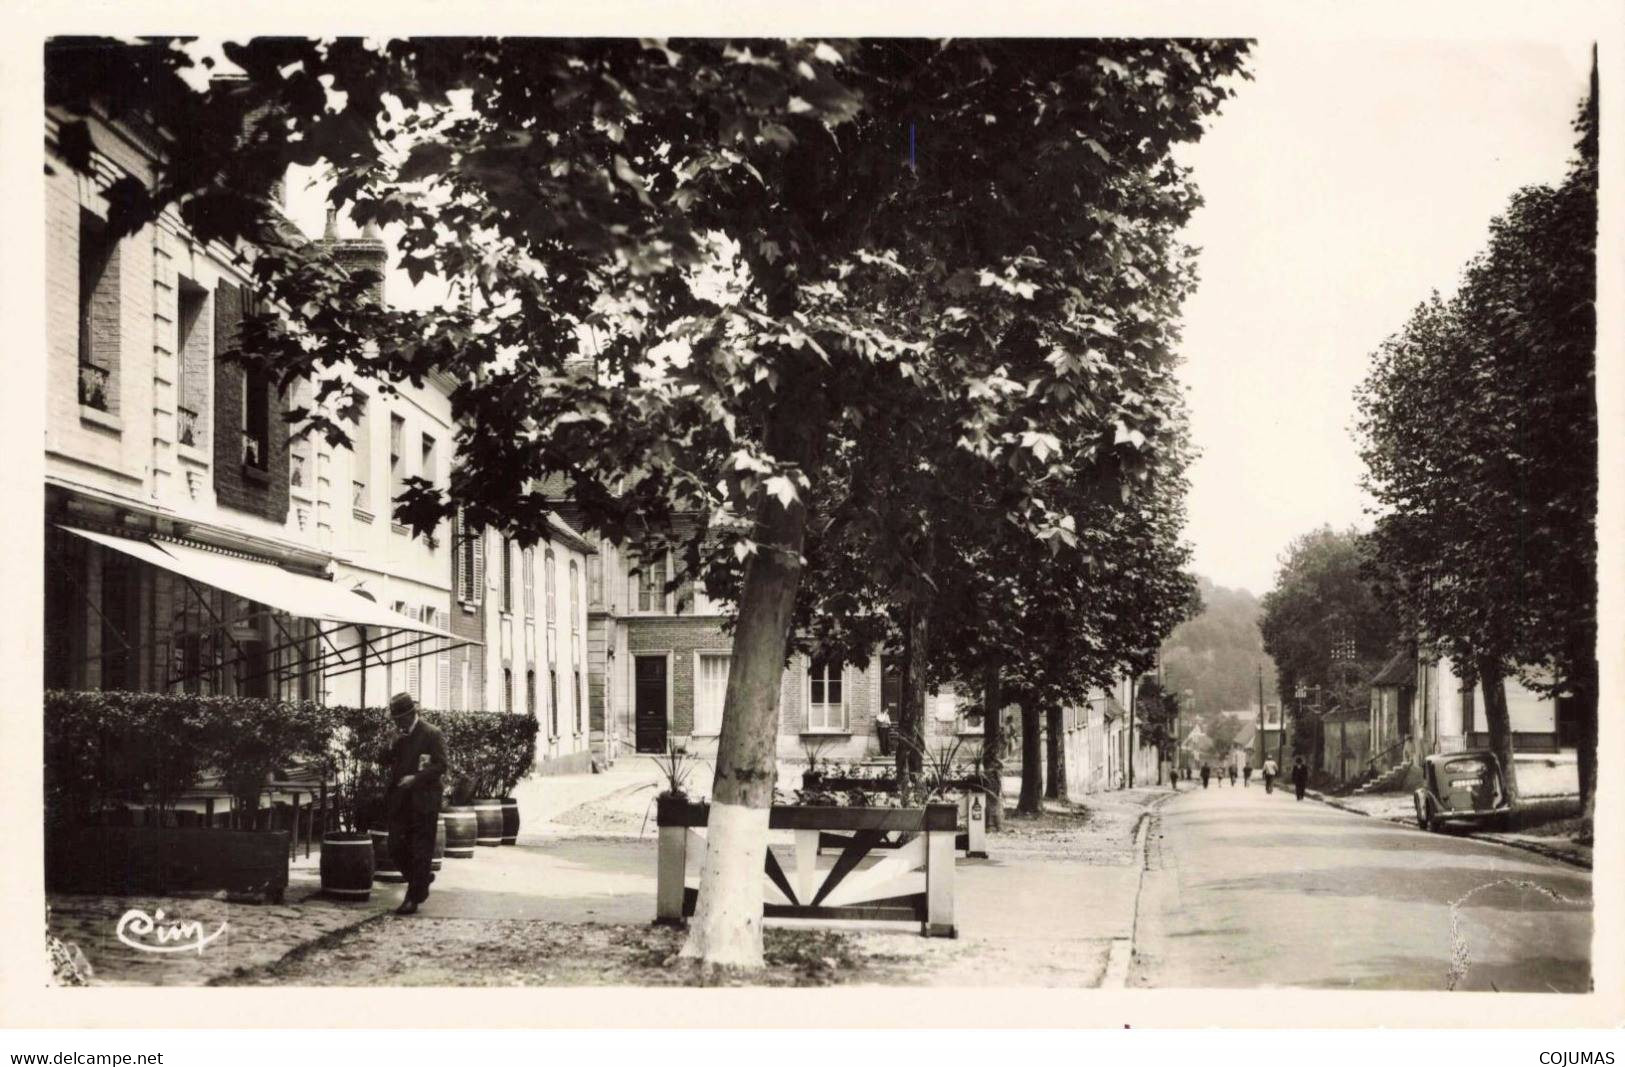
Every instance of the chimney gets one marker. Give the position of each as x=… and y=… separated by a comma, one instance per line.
x=366, y=252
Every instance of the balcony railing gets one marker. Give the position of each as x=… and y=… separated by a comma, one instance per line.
x=93, y=382
x=186, y=426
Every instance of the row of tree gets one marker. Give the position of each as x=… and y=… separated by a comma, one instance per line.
x=882, y=331
x=1478, y=427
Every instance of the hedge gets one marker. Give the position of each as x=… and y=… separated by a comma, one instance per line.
x=105, y=749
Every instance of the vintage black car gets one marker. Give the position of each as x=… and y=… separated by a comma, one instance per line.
x=1461, y=787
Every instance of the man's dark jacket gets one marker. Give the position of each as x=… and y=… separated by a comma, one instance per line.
x=421, y=753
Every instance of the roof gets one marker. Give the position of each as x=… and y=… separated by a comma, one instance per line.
x=1401, y=670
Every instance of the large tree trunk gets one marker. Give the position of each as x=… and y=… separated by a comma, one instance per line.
x=727, y=926
x=910, y=729
x=1499, y=721
x=1032, y=759
x=993, y=746
x=1584, y=704
x=1055, y=753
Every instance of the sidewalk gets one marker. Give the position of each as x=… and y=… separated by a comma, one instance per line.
x=1046, y=909
x=1400, y=808
x=570, y=907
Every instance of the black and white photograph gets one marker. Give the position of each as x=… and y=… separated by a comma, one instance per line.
x=1065, y=510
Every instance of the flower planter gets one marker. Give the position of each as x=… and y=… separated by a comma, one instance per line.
x=383, y=864
x=461, y=831
x=347, y=865
x=914, y=883
x=439, y=844
x=510, y=821
x=128, y=860
x=488, y=822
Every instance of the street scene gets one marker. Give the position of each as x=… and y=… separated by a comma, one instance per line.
x=898, y=512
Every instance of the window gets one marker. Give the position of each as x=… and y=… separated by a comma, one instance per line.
x=826, y=698
x=710, y=687
x=192, y=357
x=530, y=692
x=507, y=575
x=507, y=690
x=1467, y=709
x=575, y=599
x=683, y=599
x=470, y=558
x=530, y=582
x=552, y=702
x=256, y=417
x=576, y=694
x=361, y=462
x=430, y=471
x=650, y=589
x=397, y=456
x=550, y=578
x=99, y=330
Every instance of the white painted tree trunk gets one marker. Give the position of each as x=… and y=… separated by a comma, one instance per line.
x=726, y=929
x=727, y=926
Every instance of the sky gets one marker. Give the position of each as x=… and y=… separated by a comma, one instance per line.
x=1341, y=185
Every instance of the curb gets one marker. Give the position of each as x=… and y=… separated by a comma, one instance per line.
x=1121, y=956
x=1495, y=839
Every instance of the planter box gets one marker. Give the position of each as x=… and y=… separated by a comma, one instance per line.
x=972, y=836
x=914, y=883
x=130, y=860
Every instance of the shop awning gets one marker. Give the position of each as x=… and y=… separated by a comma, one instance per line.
x=298, y=595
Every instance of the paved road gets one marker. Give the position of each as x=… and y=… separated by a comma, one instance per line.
x=1248, y=890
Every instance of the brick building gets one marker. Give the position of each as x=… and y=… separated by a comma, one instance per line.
x=190, y=545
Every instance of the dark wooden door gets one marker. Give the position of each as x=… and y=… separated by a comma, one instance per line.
x=649, y=695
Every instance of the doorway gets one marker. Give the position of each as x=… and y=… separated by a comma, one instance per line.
x=649, y=702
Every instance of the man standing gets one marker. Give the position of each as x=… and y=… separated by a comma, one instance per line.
x=1270, y=771
x=1300, y=776
x=1230, y=771
x=1205, y=772
x=1246, y=774
x=417, y=762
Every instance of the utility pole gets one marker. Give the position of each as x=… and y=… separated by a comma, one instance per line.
x=1261, y=749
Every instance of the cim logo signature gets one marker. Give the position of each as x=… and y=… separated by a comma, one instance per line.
x=154, y=933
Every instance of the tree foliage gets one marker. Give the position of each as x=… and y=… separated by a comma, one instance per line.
x=1478, y=424
x=751, y=281
x=1323, y=624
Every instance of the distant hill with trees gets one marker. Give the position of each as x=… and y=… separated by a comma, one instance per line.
x=1217, y=654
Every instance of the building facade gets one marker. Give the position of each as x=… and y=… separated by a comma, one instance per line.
x=192, y=544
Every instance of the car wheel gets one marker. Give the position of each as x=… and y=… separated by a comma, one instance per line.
x=1421, y=812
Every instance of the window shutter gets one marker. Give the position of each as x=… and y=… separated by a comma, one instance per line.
x=476, y=545
x=459, y=576
x=443, y=660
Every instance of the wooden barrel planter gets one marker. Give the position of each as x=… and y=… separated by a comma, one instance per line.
x=461, y=831
x=439, y=844
x=383, y=864
x=510, y=821
x=488, y=822
x=347, y=865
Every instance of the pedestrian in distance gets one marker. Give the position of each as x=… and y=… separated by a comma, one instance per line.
x=1300, y=776
x=1246, y=775
x=1232, y=773
x=1270, y=771
x=1205, y=772
x=417, y=761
